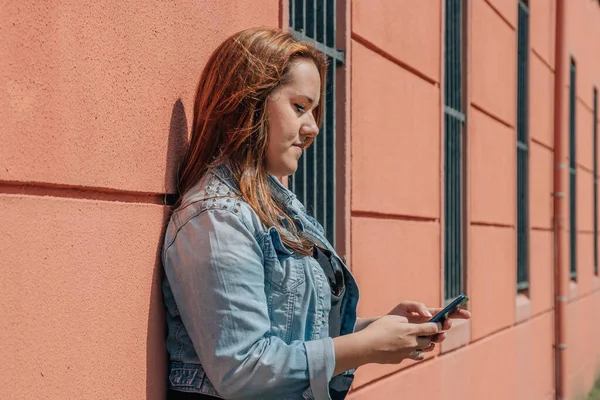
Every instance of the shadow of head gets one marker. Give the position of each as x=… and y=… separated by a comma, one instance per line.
x=176, y=144
x=156, y=355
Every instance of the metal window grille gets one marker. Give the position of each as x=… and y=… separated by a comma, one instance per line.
x=572, y=174
x=454, y=120
x=522, y=147
x=595, y=181
x=314, y=182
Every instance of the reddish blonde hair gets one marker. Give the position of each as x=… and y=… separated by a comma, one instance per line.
x=230, y=119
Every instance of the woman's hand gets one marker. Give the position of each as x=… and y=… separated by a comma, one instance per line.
x=392, y=339
x=416, y=313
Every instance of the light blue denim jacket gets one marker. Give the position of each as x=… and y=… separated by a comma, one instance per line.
x=247, y=317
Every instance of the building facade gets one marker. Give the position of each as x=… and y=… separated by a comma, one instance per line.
x=458, y=155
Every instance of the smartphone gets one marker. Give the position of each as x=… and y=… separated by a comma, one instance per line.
x=442, y=315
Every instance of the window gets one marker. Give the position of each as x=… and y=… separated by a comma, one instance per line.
x=595, y=177
x=522, y=148
x=572, y=174
x=315, y=180
x=454, y=120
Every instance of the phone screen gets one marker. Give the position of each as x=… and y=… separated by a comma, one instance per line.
x=442, y=315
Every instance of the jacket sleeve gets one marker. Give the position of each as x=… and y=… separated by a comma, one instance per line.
x=215, y=269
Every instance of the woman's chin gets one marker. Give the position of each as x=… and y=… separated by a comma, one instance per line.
x=284, y=169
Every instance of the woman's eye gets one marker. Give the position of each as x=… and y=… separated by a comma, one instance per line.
x=299, y=108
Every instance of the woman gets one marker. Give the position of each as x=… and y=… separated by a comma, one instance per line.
x=259, y=304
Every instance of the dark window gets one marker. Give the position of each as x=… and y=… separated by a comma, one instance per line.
x=454, y=120
x=522, y=148
x=315, y=180
x=572, y=174
x=595, y=150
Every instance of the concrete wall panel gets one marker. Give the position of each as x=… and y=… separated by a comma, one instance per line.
x=82, y=307
x=395, y=139
x=407, y=30
x=89, y=90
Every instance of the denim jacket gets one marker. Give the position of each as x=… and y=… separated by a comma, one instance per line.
x=247, y=317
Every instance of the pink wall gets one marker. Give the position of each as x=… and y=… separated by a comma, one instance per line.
x=583, y=360
x=403, y=218
x=506, y=351
x=95, y=102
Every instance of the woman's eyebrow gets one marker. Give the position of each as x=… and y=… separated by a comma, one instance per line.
x=309, y=99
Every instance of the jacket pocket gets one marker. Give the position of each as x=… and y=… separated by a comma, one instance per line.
x=284, y=269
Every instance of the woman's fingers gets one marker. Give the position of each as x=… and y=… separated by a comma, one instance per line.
x=430, y=348
x=427, y=328
x=423, y=342
x=439, y=338
x=434, y=311
x=447, y=324
x=417, y=355
x=460, y=314
x=417, y=308
x=422, y=310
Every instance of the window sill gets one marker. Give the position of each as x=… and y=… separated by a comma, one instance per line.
x=459, y=335
x=573, y=291
x=522, y=308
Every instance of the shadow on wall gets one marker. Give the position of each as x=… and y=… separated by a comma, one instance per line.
x=156, y=355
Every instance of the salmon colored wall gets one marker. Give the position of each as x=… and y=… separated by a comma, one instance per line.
x=395, y=173
x=95, y=102
x=583, y=359
x=491, y=166
x=507, y=349
x=541, y=159
x=541, y=163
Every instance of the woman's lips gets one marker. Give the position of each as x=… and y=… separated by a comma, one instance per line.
x=299, y=147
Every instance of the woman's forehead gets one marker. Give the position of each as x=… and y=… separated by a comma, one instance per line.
x=305, y=80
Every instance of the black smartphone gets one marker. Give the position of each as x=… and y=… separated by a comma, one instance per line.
x=442, y=315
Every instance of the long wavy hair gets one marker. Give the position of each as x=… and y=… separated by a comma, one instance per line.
x=230, y=119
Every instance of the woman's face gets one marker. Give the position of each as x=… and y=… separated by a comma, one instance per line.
x=290, y=110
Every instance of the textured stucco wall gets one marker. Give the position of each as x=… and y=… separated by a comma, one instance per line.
x=506, y=351
x=95, y=102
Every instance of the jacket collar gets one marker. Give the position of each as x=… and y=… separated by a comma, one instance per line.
x=279, y=191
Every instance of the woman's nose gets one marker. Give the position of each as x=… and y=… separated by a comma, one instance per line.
x=309, y=129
